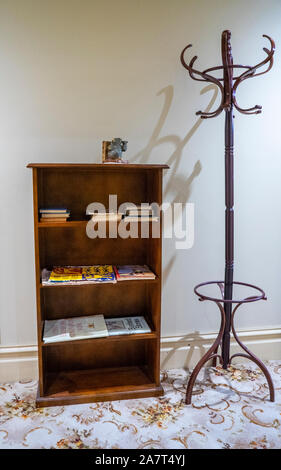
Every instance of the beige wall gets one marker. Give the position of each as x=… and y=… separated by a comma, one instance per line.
x=74, y=73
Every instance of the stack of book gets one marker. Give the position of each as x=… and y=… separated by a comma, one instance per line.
x=93, y=326
x=54, y=215
x=105, y=216
x=140, y=213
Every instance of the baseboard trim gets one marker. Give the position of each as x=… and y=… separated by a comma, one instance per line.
x=20, y=362
x=186, y=351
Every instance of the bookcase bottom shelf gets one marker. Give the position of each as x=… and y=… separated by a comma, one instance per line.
x=84, y=386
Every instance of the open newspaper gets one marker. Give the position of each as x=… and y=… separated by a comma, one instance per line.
x=67, y=329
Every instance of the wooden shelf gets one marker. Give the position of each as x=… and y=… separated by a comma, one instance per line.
x=100, y=284
x=68, y=224
x=84, y=386
x=105, y=339
x=114, y=367
x=83, y=223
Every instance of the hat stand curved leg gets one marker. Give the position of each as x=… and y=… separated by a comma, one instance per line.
x=210, y=354
x=251, y=356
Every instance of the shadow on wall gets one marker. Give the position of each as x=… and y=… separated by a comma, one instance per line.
x=189, y=348
x=178, y=184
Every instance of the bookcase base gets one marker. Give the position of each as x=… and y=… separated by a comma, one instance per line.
x=91, y=397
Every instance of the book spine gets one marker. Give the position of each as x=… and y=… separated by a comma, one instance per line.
x=117, y=275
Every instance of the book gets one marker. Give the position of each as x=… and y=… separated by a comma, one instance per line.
x=53, y=219
x=78, y=275
x=139, y=210
x=133, y=272
x=106, y=217
x=141, y=218
x=126, y=325
x=60, y=210
x=55, y=215
x=67, y=329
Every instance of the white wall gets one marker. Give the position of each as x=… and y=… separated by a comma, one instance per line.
x=74, y=73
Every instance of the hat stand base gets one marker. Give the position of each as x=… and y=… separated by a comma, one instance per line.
x=212, y=353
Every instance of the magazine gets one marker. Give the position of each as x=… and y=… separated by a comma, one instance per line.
x=127, y=325
x=67, y=329
x=133, y=272
x=60, y=275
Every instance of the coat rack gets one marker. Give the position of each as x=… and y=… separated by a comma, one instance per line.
x=228, y=85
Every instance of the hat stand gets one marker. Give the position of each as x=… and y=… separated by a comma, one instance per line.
x=228, y=86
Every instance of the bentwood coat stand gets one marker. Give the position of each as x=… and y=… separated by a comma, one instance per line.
x=228, y=86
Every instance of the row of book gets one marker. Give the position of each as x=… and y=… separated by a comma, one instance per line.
x=139, y=213
x=96, y=273
x=93, y=326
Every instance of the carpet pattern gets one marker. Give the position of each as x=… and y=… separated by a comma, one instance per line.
x=230, y=409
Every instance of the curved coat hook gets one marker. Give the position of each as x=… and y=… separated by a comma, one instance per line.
x=230, y=84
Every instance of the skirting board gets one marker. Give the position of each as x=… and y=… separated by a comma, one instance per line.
x=20, y=362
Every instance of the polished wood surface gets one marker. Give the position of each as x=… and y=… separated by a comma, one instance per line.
x=109, y=368
x=85, y=386
x=94, y=166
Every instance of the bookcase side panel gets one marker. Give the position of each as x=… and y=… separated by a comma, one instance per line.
x=36, y=192
x=154, y=255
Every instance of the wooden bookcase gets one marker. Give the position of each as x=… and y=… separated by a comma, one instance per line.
x=111, y=368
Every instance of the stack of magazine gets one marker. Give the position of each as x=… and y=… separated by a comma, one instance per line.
x=93, y=326
x=54, y=214
x=64, y=275
x=78, y=274
x=132, y=272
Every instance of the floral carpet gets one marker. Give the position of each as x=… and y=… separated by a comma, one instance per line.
x=230, y=410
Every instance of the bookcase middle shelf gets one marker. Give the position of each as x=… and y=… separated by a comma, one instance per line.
x=100, y=285
x=82, y=223
x=105, y=339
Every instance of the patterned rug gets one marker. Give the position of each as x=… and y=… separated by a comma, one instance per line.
x=230, y=410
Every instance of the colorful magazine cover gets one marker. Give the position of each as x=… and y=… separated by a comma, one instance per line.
x=132, y=272
x=78, y=274
x=103, y=272
x=63, y=274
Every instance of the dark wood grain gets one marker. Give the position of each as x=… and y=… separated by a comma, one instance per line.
x=84, y=386
x=104, y=368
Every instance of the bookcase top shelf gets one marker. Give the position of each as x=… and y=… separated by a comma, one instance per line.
x=96, y=166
